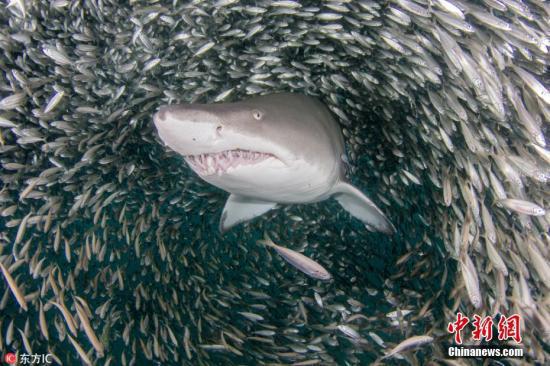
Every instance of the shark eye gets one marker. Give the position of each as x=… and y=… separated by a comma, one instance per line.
x=258, y=115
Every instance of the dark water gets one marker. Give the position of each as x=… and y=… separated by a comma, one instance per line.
x=138, y=231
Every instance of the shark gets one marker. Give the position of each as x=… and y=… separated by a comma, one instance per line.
x=267, y=151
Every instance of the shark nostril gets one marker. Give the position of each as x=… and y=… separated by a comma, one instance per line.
x=219, y=130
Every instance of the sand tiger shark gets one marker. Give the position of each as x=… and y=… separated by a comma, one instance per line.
x=266, y=151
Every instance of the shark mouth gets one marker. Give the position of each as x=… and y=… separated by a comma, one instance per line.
x=220, y=162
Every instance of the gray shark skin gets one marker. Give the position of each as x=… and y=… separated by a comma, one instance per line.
x=268, y=150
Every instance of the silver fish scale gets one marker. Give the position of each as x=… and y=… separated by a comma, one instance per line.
x=444, y=107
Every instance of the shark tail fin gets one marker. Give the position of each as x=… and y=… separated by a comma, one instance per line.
x=239, y=209
x=361, y=207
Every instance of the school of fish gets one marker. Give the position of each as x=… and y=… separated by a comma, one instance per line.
x=109, y=249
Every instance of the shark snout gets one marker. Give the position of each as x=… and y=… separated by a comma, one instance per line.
x=188, y=130
x=160, y=116
x=163, y=125
x=164, y=121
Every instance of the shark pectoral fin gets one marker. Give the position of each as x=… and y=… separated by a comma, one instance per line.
x=360, y=206
x=239, y=209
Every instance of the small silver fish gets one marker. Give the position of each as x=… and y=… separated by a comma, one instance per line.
x=524, y=207
x=300, y=261
x=251, y=316
x=471, y=280
x=348, y=331
x=19, y=296
x=409, y=343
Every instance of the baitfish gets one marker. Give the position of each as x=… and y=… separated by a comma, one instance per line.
x=298, y=260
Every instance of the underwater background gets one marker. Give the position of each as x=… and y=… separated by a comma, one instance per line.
x=110, y=247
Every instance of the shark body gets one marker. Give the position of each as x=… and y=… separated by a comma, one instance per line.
x=268, y=150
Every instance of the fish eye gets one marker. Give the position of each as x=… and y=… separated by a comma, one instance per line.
x=257, y=114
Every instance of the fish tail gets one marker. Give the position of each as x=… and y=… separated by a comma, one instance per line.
x=267, y=241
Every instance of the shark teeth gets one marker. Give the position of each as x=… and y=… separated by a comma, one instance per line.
x=219, y=162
